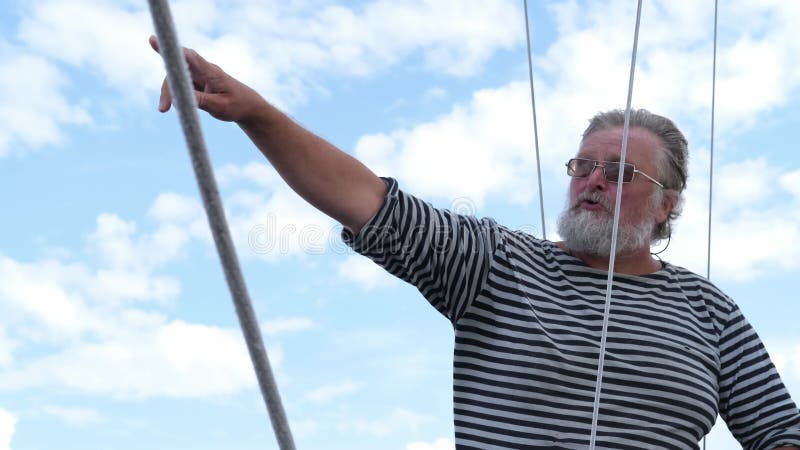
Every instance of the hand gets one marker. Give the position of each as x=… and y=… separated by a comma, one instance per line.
x=217, y=93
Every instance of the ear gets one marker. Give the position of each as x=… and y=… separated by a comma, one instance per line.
x=668, y=203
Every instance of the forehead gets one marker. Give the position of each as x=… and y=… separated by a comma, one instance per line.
x=605, y=145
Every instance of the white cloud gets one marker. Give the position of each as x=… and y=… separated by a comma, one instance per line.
x=76, y=416
x=454, y=37
x=791, y=183
x=746, y=205
x=586, y=68
x=365, y=273
x=304, y=428
x=110, y=348
x=69, y=299
x=301, y=39
x=7, y=346
x=171, y=359
x=283, y=325
x=400, y=420
x=105, y=37
x=438, y=444
x=33, y=105
x=324, y=394
x=172, y=207
x=258, y=173
x=101, y=342
x=59, y=292
x=386, y=29
x=484, y=147
x=34, y=292
x=744, y=183
x=113, y=242
x=119, y=284
x=581, y=72
x=8, y=425
x=271, y=221
x=475, y=150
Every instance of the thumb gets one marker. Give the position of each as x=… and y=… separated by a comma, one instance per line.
x=212, y=103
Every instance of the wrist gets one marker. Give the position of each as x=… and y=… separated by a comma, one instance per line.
x=259, y=114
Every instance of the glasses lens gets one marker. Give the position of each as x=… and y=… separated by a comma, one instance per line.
x=612, y=172
x=627, y=173
x=579, y=167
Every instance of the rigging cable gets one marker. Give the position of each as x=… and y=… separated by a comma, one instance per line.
x=183, y=92
x=535, y=128
x=711, y=157
x=614, y=232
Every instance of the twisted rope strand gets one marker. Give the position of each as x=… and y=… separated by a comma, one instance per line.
x=186, y=104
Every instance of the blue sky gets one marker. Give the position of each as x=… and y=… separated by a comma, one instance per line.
x=116, y=328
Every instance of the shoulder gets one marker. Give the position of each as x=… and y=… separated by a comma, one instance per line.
x=699, y=288
x=689, y=280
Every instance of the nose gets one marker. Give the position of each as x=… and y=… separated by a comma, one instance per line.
x=597, y=179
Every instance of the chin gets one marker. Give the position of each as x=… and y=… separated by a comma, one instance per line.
x=589, y=232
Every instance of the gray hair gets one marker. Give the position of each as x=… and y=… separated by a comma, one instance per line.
x=672, y=166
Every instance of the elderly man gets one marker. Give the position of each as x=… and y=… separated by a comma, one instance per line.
x=527, y=313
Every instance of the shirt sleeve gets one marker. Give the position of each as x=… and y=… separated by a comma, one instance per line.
x=445, y=255
x=753, y=400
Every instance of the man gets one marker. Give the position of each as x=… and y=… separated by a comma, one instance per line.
x=527, y=313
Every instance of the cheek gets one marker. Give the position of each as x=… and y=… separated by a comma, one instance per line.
x=631, y=208
x=635, y=204
x=574, y=191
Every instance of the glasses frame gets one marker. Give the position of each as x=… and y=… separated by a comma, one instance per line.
x=602, y=164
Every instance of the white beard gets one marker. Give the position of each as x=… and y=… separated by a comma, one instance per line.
x=590, y=231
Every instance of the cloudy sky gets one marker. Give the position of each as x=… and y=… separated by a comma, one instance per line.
x=116, y=328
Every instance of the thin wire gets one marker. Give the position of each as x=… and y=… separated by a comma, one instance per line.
x=535, y=128
x=711, y=159
x=614, y=232
x=183, y=92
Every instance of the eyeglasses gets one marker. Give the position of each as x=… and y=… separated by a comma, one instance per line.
x=581, y=168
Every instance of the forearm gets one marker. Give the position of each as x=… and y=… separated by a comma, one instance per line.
x=329, y=179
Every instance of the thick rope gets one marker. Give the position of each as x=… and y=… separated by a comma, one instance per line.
x=183, y=93
x=711, y=159
x=535, y=128
x=614, y=232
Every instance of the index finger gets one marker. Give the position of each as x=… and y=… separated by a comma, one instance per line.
x=154, y=43
x=198, y=66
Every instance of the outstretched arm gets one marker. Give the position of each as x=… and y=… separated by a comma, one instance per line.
x=329, y=179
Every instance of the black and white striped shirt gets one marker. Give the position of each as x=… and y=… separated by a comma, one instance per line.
x=527, y=320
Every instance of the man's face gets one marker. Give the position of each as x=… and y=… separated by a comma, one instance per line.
x=591, y=199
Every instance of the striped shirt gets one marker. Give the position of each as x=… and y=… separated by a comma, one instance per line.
x=527, y=320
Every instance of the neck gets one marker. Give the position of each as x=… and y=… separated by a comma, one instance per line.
x=639, y=262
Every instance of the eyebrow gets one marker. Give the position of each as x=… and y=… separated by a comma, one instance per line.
x=614, y=159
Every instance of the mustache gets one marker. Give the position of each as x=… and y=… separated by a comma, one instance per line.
x=594, y=197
